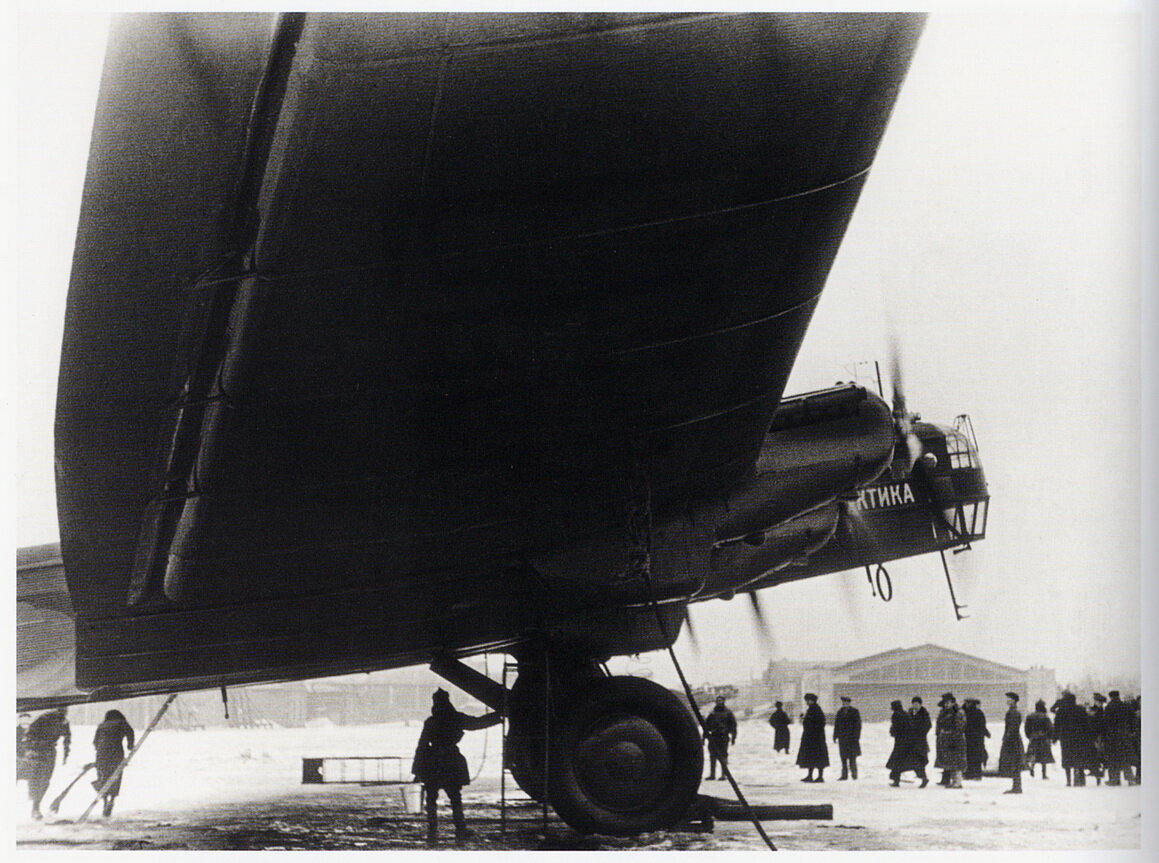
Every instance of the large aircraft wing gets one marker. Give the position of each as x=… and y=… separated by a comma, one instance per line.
x=369, y=314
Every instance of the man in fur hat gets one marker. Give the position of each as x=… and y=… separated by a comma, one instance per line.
x=438, y=763
x=950, y=751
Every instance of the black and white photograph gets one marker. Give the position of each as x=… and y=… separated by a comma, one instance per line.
x=549, y=429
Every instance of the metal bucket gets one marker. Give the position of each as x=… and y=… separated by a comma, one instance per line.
x=412, y=798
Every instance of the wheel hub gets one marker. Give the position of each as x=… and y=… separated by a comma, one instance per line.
x=623, y=762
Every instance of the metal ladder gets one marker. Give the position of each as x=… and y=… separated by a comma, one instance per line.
x=510, y=667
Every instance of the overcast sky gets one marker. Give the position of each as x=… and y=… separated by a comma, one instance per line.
x=998, y=237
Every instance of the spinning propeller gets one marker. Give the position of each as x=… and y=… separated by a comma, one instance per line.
x=765, y=635
x=764, y=631
x=903, y=420
x=910, y=462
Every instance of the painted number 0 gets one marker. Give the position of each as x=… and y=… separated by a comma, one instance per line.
x=884, y=585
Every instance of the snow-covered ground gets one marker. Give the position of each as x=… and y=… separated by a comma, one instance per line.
x=241, y=788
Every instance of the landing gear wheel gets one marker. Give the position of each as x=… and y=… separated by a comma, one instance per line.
x=525, y=736
x=525, y=761
x=625, y=758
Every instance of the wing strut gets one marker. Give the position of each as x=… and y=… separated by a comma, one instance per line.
x=949, y=582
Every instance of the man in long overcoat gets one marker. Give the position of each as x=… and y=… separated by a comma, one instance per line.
x=905, y=755
x=112, y=736
x=780, y=721
x=847, y=736
x=976, y=734
x=40, y=752
x=920, y=726
x=1096, y=728
x=1012, y=756
x=719, y=734
x=814, y=751
x=438, y=763
x=22, y=767
x=1118, y=725
x=1070, y=730
x=1039, y=733
x=1136, y=706
x=950, y=752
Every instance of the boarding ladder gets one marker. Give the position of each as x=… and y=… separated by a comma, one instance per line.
x=510, y=668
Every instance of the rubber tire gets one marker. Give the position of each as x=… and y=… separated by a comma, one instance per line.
x=525, y=724
x=616, y=737
x=525, y=763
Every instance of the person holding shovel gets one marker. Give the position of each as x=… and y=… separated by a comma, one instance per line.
x=113, y=735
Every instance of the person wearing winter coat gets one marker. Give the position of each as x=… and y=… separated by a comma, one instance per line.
x=1039, y=732
x=847, y=736
x=1096, y=726
x=780, y=721
x=976, y=734
x=1012, y=755
x=950, y=752
x=113, y=735
x=1118, y=726
x=438, y=763
x=906, y=755
x=40, y=752
x=719, y=733
x=813, y=752
x=1136, y=706
x=1070, y=729
x=920, y=726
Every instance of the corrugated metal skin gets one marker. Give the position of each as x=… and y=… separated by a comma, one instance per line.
x=499, y=264
x=45, y=632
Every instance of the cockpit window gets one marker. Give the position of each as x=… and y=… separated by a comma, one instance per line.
x=959, y=451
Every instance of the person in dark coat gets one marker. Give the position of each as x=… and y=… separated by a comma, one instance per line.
x=40, y=752
x=1070, y=731
x=950, y=752
x=113, y=735
x=1039, y=732
x=22, y=727
x=1012, y=756
x=719, y=734
x=21, y=730
x=976, y=734
x=920, y=726
x=1096, y=726
x=905, y=755
x=1136, y=706
x=438, y=763
x=814, y=751
x=1118, y=725
x=780, y=722
x=847, y=736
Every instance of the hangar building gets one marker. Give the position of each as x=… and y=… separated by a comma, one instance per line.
x=928, y=670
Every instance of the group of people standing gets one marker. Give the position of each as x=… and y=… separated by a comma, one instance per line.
x=36, y=754
x=961, y=734
x=1092, y=739
x=1095, y=738
x=813, y=751
x=720, y=732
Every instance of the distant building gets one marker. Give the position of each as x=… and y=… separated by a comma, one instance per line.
x=927, y=671
x=787, y=681
x=358, y=699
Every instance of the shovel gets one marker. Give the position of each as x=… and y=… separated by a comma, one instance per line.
x=54, y=806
